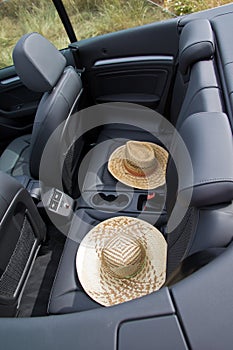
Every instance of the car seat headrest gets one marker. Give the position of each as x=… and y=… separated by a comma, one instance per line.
x=37, y=62
x=196, y=44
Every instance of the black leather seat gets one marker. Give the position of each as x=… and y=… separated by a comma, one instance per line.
x=203, y=192
x=196, y=87
x=123, y=122
x=199, y=179
x=21, y=233
x=196, y=90
x=205, y=199
x=41, y=67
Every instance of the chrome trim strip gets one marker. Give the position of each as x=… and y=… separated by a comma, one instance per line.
x=10, y=80
x=132, y=59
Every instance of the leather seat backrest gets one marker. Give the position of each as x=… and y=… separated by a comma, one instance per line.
x=199, y=201
x=41, y=67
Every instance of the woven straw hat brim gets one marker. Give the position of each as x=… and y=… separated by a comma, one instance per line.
x=107, y=289
x=117, y=168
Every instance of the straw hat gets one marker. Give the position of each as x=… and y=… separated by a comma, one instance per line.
x=139, y=164
x=120, y=259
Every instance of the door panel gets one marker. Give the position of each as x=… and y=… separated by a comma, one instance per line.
x=17, y=107
x=15, y=99
x=134, y=65
x=141, y=81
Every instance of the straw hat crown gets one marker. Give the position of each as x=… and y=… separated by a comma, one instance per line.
x=140, y=157
x=123, y=256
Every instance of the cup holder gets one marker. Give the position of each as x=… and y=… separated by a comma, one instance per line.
x=110, y=200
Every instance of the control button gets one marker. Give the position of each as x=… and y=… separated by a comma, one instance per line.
x=57, y=195
x=53, y=205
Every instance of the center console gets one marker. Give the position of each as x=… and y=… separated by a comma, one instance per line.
x=112, y=199
x=149, y=204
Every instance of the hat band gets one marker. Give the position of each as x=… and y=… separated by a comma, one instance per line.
x=137, y=171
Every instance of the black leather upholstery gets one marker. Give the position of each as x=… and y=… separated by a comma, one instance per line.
x=15, y=159
x=207, y=196
x=53, y=109
x=121, y=122
x=193, y=263
x=208, y=139
x=196, y=44
x=203, y=93
x=223, y=33
x=21, y=232
x=37, y=62
x=207, y=221
x=196, y=87
x=115, y=137
x=42, y=68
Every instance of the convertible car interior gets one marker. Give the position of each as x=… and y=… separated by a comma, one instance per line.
x=169, y=83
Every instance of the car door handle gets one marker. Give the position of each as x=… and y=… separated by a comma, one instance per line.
x=10, y=81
